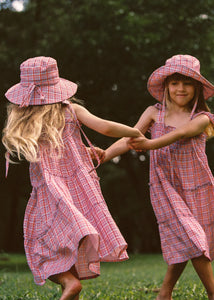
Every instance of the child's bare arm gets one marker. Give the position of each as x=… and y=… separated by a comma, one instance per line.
x=192, y=128
x=147, y=118
x=121, y=146
x=102, y=126
x=118, y=148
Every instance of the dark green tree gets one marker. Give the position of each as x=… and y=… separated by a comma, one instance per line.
x=109, y=48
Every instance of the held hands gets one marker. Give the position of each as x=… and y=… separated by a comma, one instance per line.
x=139, y=144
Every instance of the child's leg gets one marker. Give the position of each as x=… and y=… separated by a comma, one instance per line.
x=71, y=286
x=170, y=279
x=203, y=267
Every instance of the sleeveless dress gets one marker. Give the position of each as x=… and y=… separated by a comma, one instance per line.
x=182, y=195
x=67, y=221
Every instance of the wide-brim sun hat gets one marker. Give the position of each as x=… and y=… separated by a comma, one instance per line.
x=186, y=65
x=40, y=84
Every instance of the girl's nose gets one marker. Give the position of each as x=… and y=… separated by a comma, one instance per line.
x=181, y=85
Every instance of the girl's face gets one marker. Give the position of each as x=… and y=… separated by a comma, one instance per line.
x=181, y=91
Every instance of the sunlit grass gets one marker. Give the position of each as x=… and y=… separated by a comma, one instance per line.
x=136, y=279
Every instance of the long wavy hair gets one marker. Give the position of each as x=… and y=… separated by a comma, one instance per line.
x=199, y=97
x=29, y=127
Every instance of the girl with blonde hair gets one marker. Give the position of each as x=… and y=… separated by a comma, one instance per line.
x=68, y=228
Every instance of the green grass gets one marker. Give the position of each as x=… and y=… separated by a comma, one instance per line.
x=136, y=279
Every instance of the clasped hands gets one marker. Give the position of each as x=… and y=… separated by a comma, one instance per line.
x=138, y=144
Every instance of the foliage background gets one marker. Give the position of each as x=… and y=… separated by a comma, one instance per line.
x=109, y=48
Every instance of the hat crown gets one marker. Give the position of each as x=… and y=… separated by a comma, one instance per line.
x=187, y=61
x=39, y=71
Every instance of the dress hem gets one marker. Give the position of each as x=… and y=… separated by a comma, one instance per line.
x=179, y=261
x=95, y=275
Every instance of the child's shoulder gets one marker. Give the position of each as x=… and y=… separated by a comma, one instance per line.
x=149, y=115
x=77, y=108
x=74, y=106
x=153, y=110
x=208, y=115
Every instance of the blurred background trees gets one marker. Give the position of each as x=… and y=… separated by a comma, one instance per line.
x=109, y=48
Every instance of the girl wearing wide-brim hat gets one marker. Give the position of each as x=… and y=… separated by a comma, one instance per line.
x=68, y=228
x=181, y=182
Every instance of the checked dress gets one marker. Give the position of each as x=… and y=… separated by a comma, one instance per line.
x=182, y=195
x=67, y=221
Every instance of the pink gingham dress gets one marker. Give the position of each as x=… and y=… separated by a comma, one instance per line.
x=182, y=195
x=67, y=221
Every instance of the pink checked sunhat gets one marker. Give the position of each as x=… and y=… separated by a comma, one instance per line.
x=184, y=64
x=40, y=84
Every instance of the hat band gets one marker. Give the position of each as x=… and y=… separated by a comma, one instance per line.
x=46, y=82
x=31, y=88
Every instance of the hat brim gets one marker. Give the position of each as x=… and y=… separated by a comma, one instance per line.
x=58, y=92
x=156, y=80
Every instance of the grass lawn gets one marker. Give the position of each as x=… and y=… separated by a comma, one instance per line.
x=136, y=279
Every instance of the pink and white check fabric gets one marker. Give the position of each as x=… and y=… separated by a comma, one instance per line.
x=40, y=84
x=67, y=221
x=184, y=64
x=182, y=193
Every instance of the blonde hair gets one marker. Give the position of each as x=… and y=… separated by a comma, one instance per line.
x=28, y=127
x=199, y=97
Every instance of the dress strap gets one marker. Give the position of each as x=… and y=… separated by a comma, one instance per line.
x=161, y=120
x=7, y=156
x=85, y=136
x=163, y=111
x=193, y=109
x=160, y=116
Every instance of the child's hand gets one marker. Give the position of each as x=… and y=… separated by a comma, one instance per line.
x=139, y=133
x=138, y=144
x=100, y=152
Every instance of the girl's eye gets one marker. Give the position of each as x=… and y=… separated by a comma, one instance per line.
x=188, y=82
x=184, y=82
